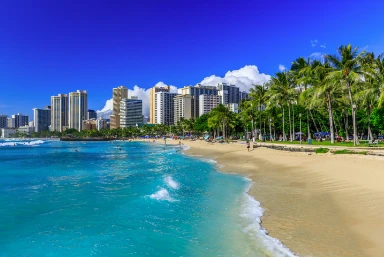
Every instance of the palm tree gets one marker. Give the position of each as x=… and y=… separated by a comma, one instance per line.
x=224, y=115
x=348, y=69
x=371, y=89
x=259, y=94
x=325, y=89
x=247, y=112
x=279, y=94
x=302, y=76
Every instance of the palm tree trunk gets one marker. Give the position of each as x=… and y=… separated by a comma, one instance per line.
x=370, y=136
x=253, y=131
x=261, y=134
x=290, y=124
x=270, y=127
x=309, y=131
x=223, y=129
x=346, y=125
x=284, y=136
x=353, y=113
x=314, y=122
x=293, y=120
x=334, y=122
x=330, y=118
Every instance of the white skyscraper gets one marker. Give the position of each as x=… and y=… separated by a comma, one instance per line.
x=164, y=108
x=59, y=112
x=131, y=112
x=78, y=108
x=183, y=107
x=208, y=102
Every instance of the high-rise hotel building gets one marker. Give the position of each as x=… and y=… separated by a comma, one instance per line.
x=183, y=107
x=195, y=92
x=59, y=112
x=207, y=103
x=164, y=108
x=152, y=102
x=3, y=121
x=131, y=112
x=42, y=118
x=78, y=109
x=119, y=94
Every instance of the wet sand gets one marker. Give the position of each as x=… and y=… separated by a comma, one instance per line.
x=317, y=205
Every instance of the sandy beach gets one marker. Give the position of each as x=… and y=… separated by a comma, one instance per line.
x=317, y=205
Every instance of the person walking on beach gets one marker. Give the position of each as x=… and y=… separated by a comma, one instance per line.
x=248, y=145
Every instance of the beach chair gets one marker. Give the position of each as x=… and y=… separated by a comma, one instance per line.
x=376, y=143
x=369, y=143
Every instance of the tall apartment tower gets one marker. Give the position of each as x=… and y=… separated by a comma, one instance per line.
x=59, y=112
x=119, y=94
x=131, y=112
x=164, y=108
x=229, y=93
x=78, y=109
x=183, y=107
x=3, y=121
x=195, y=92
x=91, y=114
x=20, y=120
x=11, y=123
x=208, y=102
x=41, y=119
x=152, y=100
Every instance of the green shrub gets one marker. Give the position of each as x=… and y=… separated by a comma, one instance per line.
x=322, y=150
x=345, y=151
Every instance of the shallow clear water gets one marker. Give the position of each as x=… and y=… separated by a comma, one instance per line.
x=121, y=199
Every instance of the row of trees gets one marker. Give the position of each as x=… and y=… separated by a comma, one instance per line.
x=342, y=94
x=346, y=86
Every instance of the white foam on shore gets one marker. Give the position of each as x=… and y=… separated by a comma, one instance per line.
x=252, y=212
x=171, y=182
x=162, y=195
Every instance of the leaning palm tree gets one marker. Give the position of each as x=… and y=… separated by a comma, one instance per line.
x=347, y=69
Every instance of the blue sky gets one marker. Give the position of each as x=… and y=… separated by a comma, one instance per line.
x=50, y=47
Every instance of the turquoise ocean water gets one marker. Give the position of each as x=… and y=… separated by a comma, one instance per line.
x=123, y=199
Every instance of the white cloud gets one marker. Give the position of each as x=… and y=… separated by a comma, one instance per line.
x=108, y=105
x=317, y=56
x=244, y=78
x=141, y=93
x=323, y=46
x=282, y=68
x=314, y=42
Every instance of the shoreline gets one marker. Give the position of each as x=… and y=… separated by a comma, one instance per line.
x=311, y=211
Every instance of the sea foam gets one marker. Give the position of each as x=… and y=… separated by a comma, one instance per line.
x=162, y=195
x=252, y=211
x=171, y=182
x=15, y=143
